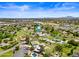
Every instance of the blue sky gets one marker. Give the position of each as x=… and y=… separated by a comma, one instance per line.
x=38, y=9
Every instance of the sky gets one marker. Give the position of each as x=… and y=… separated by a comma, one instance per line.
x=38, y=9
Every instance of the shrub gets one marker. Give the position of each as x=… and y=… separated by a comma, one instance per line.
x=17, y=48
x=74, y=43
x=76, y=34
x=58, y=47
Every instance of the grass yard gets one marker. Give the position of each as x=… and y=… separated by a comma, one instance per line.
x=1, y=49
x=8, y=54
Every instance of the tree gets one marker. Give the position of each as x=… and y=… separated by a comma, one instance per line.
x=48, y=28
x=76, y=52
x=48, y=52
x=37, y=36
x=55, y=33
x=72, y=42
x=76, y=34
x=0, y=41
x=27, y=39
x=5, y=41
x=11, y=39
x=58, y=47
x=52, y=29
x=17, y=48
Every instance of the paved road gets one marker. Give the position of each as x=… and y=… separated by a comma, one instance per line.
x=21, y=52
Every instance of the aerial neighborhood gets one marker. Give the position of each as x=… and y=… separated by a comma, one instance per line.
x=39, y=38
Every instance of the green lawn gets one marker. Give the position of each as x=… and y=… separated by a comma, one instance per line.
x=1, y=49
x=50, y=37
x=8, y=54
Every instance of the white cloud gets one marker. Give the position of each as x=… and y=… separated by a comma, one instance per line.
x=70, y=4
x=24, y=7
x=16, y=7
x=35, y=13
x=24, y=11
x=65, y=8
x=62, y=7
x=57, y=5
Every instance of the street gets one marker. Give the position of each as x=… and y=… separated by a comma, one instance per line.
x=21, y=52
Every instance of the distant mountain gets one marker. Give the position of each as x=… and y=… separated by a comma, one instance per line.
x=48, y=18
